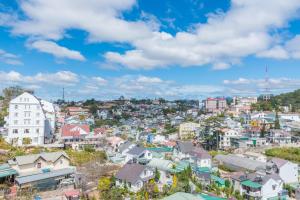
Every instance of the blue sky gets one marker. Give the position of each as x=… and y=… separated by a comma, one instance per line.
x=139, y=48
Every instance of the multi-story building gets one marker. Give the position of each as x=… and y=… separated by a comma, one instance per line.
x=215, y=104
x=30, y=120
x=188, y=129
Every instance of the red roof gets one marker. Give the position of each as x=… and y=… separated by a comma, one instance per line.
x=99, y=131
x=75, y=130
x=72, y=193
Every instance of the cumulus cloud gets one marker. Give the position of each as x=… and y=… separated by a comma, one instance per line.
x=257, y=86
x=9, y=58
x=247, y=28
x=56, y=50
x=58, y=78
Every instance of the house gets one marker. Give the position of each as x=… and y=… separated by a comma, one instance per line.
x=35, y=169
x=71, y=132
x=225, y=137
x=258, y=186
x=195, y=155
x=30, y=121
x=188, y=129
x=279, y=136
x=134, y=176
x=73, y=111
x=288, y=171
x=164, y=167
x=139, y=154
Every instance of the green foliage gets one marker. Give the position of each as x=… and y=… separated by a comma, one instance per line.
x=89, y=148
x=26, y=141
x=104, y=184
x=287, y=153
x=277, y=124
x=81, y=157
x=157, y=175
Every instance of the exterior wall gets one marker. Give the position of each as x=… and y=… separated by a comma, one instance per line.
x=271, y=189
x=131, y=187
x=61, y=163
x=26, y=119
x=188, y=128
x=25, y=112
x=204, y=163
x=289, y=173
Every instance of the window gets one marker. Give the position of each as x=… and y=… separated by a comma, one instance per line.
x=16, y=106
x=26, y=130
x=15, y=122
x=27, y=121
x=26, y=114
x=15, y=130
x=16, y=114
x=61, y=162
x=37, y=114
x=37, y=107
x=37, y=130
x=37, y=122
x=39, y=165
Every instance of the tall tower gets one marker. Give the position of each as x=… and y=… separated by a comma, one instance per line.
x=63, y=94
x=267, y=91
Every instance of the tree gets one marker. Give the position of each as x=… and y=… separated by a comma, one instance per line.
x=157, y=175
x=227, y=183
x=277, y=123
x=174, y=184
x=104, y=184
x=263, y=131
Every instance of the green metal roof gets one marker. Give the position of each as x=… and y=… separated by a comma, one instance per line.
x=218, y=179
x=251, y=184
x=208, y=197
x=160, y=149
x=183, y=196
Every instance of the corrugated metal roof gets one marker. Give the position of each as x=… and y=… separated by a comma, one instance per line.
x=42, y=176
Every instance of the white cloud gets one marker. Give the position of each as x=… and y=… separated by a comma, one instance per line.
x=247, y=28
x=9, y=58
x=276, y=52
x=58, y=78
x=226, y=37
x=99, y=81
x=257, y=86
x=101, y=19
x=56, y=50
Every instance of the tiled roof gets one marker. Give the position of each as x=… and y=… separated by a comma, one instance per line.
x=75, y=130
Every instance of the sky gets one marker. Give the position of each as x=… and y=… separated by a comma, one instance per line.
x=187, y=49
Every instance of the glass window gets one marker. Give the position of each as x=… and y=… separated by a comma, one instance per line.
x=37, y=122
x=16, y=114
x=37, y=130
x=16, y=106
x=26, y=130
x=15, y=122
x=15, y=130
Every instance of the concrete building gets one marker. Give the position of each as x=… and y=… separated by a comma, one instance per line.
x=188, y=129
x=214, y=105
x=30, y=120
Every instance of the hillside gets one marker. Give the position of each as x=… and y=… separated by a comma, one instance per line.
x=291, y=99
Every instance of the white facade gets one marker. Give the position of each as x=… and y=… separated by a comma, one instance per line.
x=188, y=128
x=271, y=189
x=28, y=119
x=289, y=172
x=224, y=138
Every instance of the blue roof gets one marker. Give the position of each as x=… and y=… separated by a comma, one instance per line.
x=37, y=177
x=6, y=170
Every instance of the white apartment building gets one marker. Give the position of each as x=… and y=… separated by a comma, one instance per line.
x=30, y=120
